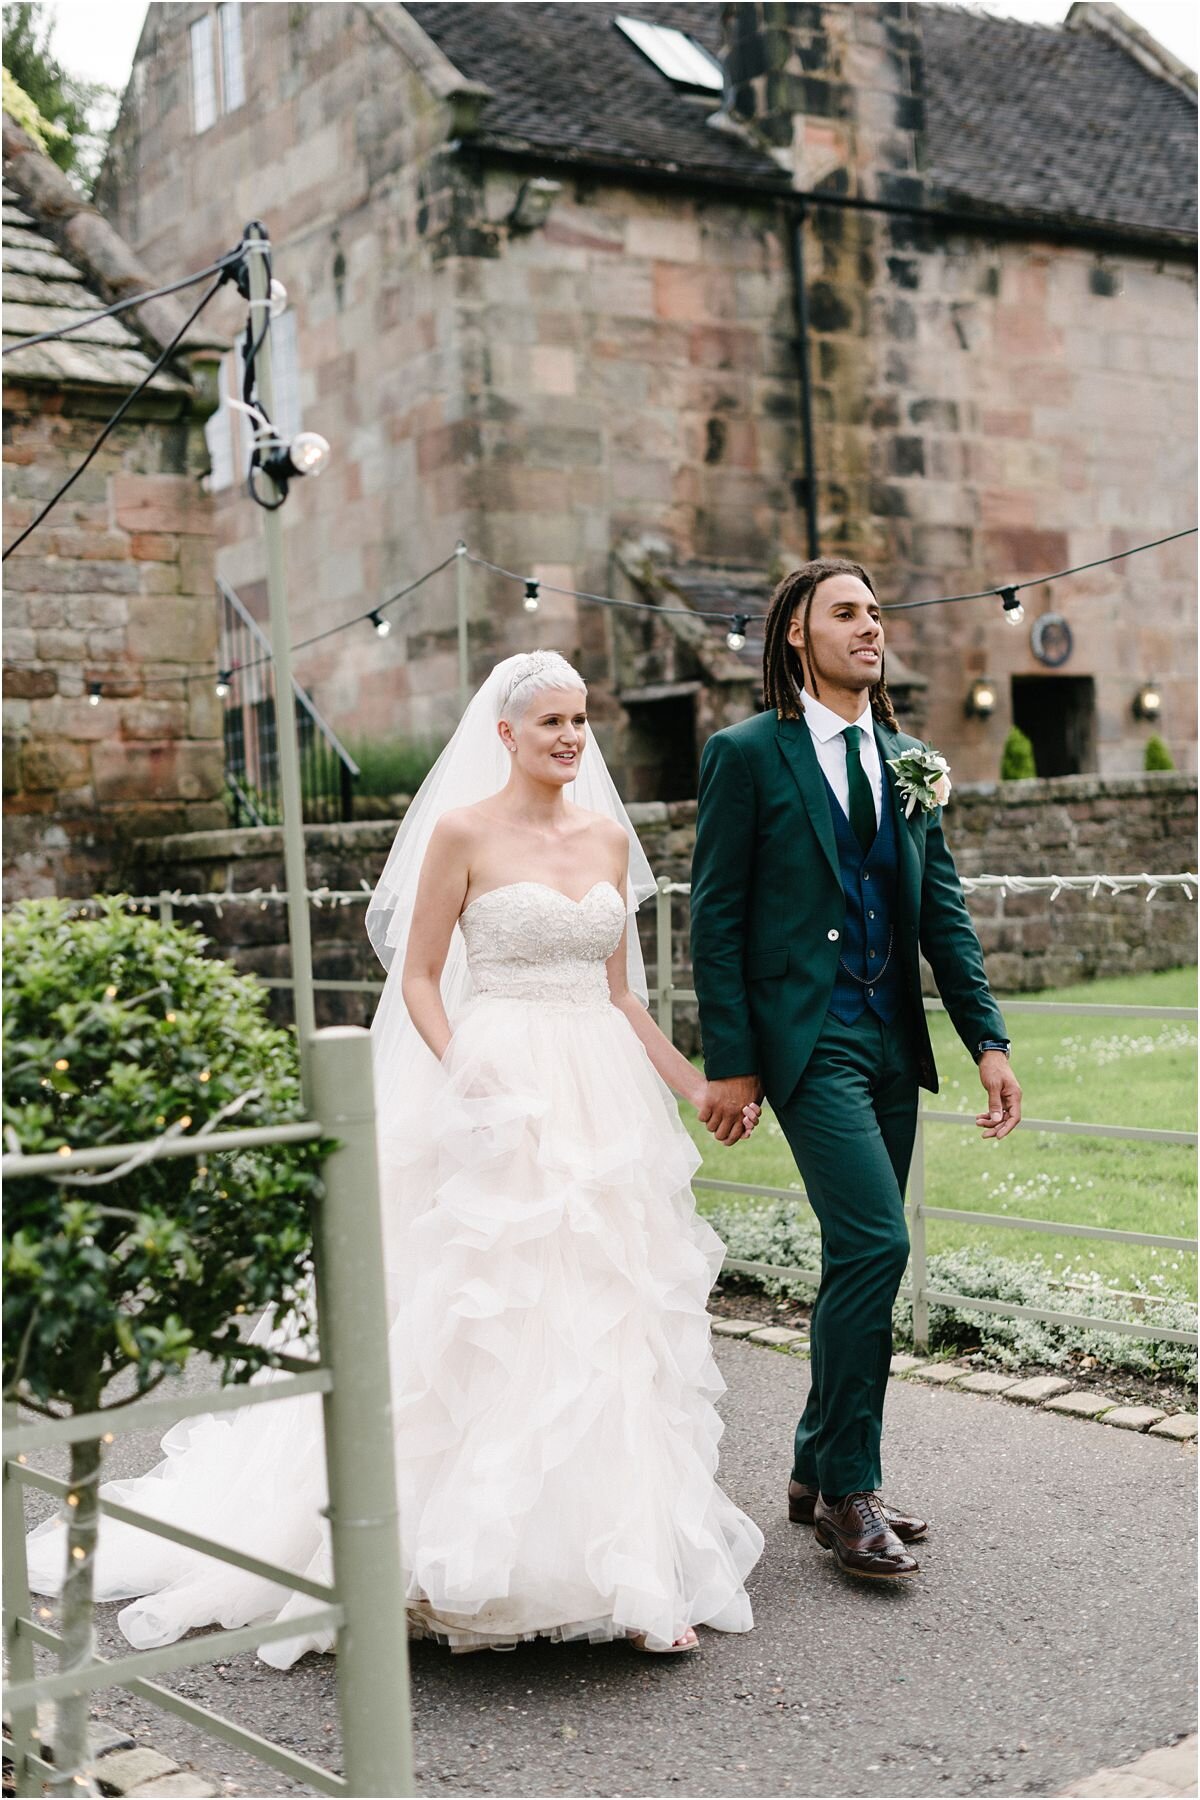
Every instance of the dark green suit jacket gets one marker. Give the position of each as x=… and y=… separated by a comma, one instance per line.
x=768, y=908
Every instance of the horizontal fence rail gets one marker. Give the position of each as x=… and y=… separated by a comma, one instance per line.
x=352, y=1379
x=918, y=1289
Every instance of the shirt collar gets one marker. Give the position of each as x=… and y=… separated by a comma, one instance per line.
x=826, y=724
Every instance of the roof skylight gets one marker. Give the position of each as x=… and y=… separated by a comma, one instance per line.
x=675, y=54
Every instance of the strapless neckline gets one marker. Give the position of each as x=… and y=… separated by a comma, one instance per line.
x=507, y=887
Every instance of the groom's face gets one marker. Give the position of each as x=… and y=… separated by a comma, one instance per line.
x=844, y=647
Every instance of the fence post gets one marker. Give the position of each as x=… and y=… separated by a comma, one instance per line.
x=664, y=951
x=372, y=1651
x=18, y=1646
x=166, y=912
x=920, y=1279
x=461, y=625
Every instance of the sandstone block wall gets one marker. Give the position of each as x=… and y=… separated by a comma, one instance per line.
x=115, y=585
x=1074, y=825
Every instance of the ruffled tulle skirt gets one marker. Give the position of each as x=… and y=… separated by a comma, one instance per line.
x=553, y=1381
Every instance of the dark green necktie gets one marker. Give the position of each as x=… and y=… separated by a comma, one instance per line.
x=862, y=805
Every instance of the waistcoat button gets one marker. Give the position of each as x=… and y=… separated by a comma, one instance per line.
x=833, y=936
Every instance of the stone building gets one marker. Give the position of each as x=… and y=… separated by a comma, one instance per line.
x=112, y=729
x=655, y=300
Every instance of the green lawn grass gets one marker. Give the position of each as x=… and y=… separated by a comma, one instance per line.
x=1107, y=1071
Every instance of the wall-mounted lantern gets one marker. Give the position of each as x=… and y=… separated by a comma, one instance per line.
x=1147, y=702
x=981, y=700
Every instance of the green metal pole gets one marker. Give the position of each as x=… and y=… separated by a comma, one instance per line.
x=18, y=1646
x=665, y=1008
x=295, y=868
x=372, y=1651
x=920, y=1277
x=460, y=606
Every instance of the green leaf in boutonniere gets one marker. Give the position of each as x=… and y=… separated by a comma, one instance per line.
x=923, y=778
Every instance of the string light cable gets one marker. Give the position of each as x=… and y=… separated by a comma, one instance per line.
x=128, y=401
x=737, y=622
x=229, y=260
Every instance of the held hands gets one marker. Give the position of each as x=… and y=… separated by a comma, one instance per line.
x=731, y=1108
x=1003, y=1092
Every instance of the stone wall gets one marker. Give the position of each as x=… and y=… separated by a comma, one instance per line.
x=116, y=585
x=1072, y=826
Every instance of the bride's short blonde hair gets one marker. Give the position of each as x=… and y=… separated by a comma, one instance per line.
x=535, y=673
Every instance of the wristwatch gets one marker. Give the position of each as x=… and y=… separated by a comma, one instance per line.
x=1004, y=1044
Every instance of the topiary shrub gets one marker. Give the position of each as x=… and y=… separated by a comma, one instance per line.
x=1157, y=755
x=118, y=1029
x=1017, y=759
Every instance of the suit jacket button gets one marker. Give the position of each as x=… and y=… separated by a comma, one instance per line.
x=833, y=936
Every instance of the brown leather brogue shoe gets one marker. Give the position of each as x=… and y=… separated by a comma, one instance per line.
x=860, y=1537
x=802, y=1499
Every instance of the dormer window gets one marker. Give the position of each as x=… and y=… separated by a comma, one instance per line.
x=676, y=55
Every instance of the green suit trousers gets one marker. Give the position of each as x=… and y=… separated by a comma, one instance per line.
x=850, y=1123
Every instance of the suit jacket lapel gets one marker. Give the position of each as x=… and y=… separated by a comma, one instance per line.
x=910, y=861
x=796, y=745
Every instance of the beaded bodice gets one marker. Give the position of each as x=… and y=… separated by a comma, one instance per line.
x=527, y=941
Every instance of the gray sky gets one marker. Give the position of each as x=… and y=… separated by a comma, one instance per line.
x=98, y=41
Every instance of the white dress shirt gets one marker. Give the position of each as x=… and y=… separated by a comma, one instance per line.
x=826, y=729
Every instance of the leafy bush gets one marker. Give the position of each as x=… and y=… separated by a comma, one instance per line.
x=785, y=1233
x=396, y=766
x=1017, y=759
x=1157, y=755
x=117, y=1029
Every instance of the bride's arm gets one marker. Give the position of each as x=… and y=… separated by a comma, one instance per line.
x=669, y=1062
x=441, y=890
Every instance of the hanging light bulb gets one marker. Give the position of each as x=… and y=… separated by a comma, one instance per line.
x=93, y=693
x=382, y=625
x=223, y=680
x=1014, y=612
x=306, y=454
x=735, y=637
x=530, y=601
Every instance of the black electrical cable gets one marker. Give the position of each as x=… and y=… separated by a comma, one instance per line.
x=688, y=612
x=229, y=260
x=120, y=412
x=994, y=593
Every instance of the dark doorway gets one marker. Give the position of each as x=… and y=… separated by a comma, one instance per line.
x=662, y=748
x=1058, y=714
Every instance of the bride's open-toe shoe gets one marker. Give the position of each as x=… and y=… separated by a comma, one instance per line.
x=682, y=1645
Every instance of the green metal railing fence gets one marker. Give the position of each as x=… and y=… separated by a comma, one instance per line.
x=917, y=1288
x=365, y=1604
x=666, y=993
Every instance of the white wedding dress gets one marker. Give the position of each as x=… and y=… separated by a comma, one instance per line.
x=553, y=1380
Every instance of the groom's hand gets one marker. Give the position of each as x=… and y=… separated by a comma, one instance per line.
x=724, y=1106
x=1003, y=1092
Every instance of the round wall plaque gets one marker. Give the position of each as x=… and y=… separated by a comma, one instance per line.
x=1051, y=640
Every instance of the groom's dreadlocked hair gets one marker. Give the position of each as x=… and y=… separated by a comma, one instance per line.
x=783, y=670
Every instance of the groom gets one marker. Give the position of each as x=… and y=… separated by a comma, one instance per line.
x=814, y=884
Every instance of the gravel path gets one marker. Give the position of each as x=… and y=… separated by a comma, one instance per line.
x=1051, y=1633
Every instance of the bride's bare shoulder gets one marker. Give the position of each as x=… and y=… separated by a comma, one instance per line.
x=602, y=828
x=458, y=829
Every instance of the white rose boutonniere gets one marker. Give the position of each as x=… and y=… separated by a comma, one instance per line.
x=923, y=777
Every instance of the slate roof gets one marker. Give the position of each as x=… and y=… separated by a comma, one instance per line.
x=42, y=290
x=1035, y=119
x=567, y=81
x=1028, y=120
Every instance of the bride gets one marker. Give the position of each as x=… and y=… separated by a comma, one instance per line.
x=553, y=1380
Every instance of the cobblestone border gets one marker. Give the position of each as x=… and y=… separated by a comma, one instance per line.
x=1052, y=1393
x=124, y=1767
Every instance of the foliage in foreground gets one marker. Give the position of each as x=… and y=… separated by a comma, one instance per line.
x=785, y=1233
x=119, y=1029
